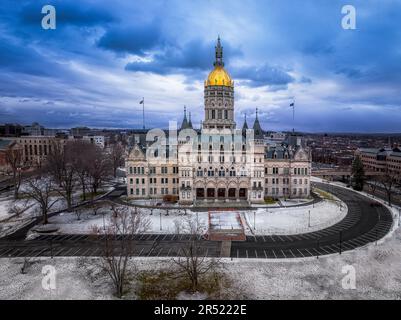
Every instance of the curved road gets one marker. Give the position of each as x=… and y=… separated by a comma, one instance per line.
x=366, y=221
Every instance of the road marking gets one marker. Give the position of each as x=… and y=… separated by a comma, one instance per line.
x=68, y=251
x=318, y=253
x=310, y=253
x=165, y=236
x=141, y=252
x=39, y=252
x=348, y=246
x=274, y=254
x=292, y=253
x=160, y=251
x=263, y=237
x=272, y=238
x=168, y=253
x=5, y=252
x=56, y=254
x=283, y=253
x=86, y=252
x=246, y=250
x=256, y=254
x=237, y=254
x=265, y=254
x=301, y=253
x=324, y=250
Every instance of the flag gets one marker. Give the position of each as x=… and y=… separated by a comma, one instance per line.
x=292, y=104
x=142, y=101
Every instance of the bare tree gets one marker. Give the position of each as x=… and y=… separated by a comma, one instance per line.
x=18, y=209
x=373, y=184
x=78, y=213
x=79, y=152
x=59, y=165
x=116, y=157
x=193, y=262
x=55, y=161
x=40, y=190
x=99, y=167
x=389, y=181
x=14, y=160
x=118, y=245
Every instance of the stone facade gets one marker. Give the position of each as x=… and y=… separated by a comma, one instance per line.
x=217, y=162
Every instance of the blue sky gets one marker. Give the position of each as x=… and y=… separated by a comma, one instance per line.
x=105, y=56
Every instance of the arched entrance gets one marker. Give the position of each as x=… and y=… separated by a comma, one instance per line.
x=210, y=193
x=200, y=193
x=221, y=193
x=243, y=193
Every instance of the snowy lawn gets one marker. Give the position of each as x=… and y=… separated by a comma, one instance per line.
x=68, y=223
x=268, y=221
x=295, y=220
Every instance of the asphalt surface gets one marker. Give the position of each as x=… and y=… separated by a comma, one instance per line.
x=367, y=221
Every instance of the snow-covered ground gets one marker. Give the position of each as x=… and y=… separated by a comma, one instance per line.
x=377, y=276
x=268, y=221
x=296, y=220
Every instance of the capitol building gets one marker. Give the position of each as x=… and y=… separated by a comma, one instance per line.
x=217, y=163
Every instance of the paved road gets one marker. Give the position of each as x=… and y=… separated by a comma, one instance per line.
x=366, y=221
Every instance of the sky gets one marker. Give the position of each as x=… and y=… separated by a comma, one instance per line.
x=105, y=56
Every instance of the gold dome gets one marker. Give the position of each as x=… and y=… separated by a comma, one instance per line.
x=219, y=77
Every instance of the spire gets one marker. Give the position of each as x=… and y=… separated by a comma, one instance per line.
x=184, y=124
x=244, y=127
x=257, y=128
x=190, y=121
x=219, y=54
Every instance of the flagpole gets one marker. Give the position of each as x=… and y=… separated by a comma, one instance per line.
x=143, y=112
